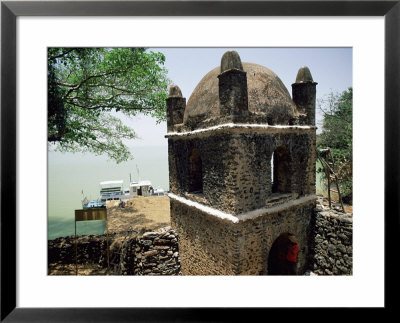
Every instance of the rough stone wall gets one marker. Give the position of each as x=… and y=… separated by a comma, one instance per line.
x=153, y=253
x=175, y=110
x=237, y=167
x=213, y=246
x=304, y=95
x=89, y=248
x=156, y=253
x=233, y=96
x=332, y=245
x=207, y=245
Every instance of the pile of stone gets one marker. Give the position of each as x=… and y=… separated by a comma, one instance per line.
x=153, y=253
x=157, y=253
x=332, y=243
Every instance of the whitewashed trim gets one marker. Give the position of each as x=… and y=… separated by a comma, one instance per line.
x=278, y=208
x=247, y=215
x=209, y=210
x=240, y=126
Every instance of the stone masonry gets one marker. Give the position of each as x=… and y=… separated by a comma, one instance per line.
x=153, y=253
x=242, y=170
x=332, y=242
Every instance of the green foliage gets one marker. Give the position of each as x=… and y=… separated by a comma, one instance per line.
x=56, y=113
x=337, y=134
x=89, y=87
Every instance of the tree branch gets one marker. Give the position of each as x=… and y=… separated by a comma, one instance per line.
x=61, y=55
x=92, y=77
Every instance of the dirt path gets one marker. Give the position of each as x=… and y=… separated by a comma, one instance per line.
x=140, y=214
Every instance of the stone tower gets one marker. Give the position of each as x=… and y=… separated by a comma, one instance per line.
x=242, y=170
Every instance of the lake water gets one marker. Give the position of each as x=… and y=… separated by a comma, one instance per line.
x=71, y=174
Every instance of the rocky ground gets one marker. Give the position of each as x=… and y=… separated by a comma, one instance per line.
x=323, y=204
x=89, y=269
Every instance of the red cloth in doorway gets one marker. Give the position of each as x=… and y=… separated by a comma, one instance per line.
x=292, y=253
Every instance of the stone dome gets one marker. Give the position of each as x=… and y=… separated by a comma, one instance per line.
x=268, y=99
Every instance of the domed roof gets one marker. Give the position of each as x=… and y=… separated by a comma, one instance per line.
x=268, y=99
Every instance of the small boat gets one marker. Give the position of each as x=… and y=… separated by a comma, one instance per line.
x=93, y=204
x=86, y=204
x=111, y=191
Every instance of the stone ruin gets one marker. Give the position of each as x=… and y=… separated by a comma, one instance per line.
x=242, y=170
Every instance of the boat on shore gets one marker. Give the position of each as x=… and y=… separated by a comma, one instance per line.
x=114, y=191
x=93, y=204
x=109, y=191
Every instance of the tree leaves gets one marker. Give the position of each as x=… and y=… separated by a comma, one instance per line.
x=86, y=84
x=337, y=134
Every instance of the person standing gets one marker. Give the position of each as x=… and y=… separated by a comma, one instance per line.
x=291, y=256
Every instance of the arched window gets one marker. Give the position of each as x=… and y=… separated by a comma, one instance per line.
x=280, y=170
x=195, y=172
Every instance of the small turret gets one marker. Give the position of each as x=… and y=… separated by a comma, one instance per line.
x=176, y=105
x=304, y=96
x=233, y=88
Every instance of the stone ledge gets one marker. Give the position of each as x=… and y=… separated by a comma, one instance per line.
x=247, y=215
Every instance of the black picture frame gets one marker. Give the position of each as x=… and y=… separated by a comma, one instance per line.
x=10, y=10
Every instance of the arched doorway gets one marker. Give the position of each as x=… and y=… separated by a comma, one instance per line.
x=280, y=259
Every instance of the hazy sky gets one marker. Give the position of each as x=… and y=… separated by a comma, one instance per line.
x=331, y=68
